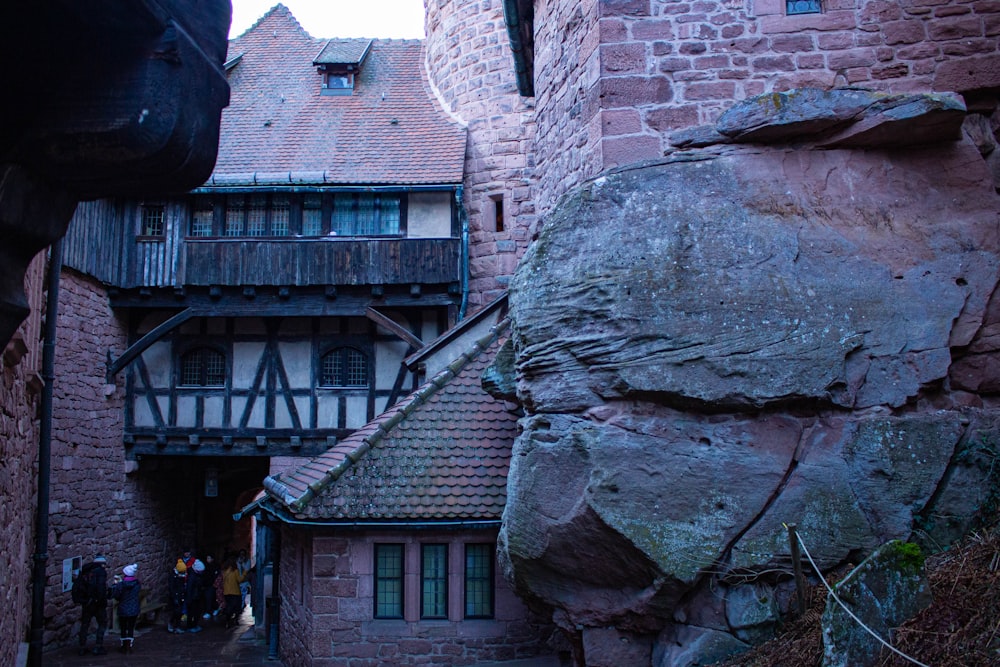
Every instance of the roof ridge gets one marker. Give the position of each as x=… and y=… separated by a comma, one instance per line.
x=277, y=7
x=345, y=454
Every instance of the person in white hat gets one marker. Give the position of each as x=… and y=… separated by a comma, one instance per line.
x=126, y=591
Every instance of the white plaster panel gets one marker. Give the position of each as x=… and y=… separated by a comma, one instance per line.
x=213, y=411
x=239, y=403
x=246, y=358
x=380, y=404
x=186, y=408
x=282, y=418
x=141, y=414
x=428, y=215
x=357, y=411
x=258, y=414
x=388, y=358
x=302, y=404
x=297, y=358
x=328, y=412
x=429, y=329
x=158, y=364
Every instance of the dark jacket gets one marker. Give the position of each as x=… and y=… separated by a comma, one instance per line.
x=127, y=594
x=175, y=587
x=99, y=595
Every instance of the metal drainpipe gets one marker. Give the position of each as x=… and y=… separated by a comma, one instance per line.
x=459, y=194
x=274, y=601
x=41, y=557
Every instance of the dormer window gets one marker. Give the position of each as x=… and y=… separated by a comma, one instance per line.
x=339, y=62
x=339, y=81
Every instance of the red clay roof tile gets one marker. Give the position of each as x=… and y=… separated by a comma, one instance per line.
x=410, y=469
x=390, y=131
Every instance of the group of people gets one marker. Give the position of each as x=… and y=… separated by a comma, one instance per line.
x=200, y=590
x=92, y=592
x=197, y=590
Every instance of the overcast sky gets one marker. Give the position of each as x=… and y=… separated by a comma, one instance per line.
x=340, y=18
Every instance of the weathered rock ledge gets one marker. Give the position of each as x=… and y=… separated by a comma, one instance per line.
x=736, y=338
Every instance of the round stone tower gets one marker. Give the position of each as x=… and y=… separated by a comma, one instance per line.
x=469, y=62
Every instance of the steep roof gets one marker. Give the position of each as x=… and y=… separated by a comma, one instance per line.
x=442, y=453
x=389, y=130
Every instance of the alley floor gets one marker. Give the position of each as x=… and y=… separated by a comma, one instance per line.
x=215, y=646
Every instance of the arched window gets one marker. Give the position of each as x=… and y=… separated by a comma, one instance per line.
x=344, y=367
x=203, y=367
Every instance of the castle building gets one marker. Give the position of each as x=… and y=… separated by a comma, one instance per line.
x=294, y=337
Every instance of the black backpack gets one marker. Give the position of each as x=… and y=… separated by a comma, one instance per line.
x=85, y=586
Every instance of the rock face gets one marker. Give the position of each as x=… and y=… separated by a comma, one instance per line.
x=727, y=341
x=883, y=592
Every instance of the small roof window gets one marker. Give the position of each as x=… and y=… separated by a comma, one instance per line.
x=339, y=62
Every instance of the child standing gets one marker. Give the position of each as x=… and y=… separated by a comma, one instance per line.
x=126, y=592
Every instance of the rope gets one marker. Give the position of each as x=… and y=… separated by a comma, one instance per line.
x=857, y=620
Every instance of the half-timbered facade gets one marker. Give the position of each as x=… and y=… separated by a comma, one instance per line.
x=270, y=309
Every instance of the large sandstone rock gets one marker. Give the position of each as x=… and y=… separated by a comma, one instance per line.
x=715, y=346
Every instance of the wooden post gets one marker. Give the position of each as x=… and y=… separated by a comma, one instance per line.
x=800, y=583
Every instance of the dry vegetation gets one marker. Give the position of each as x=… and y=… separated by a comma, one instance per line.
x=960, y=629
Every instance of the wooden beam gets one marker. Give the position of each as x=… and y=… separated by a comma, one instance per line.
x=387, y=323
x=140, y=345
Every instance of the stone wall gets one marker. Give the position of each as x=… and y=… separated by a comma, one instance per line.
x=327, y=596
x=470, y=64
x=20, y=389
x=614, y=78
x=100, y=503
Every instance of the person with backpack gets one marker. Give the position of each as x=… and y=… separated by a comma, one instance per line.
x=90, y=591
x=126, y=592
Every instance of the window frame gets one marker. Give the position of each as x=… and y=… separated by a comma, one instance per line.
x=203, y=370
x=232, y=212
x=488, y=581
x=345, y=370
x=437, y=580
x=379, y=582
x=151, y=207
x=809, y=7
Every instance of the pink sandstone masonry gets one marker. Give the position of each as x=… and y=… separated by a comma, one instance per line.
x=99, y=501
x=469, y=62
x=614, y=78
x=20, y=389
x=328, y=599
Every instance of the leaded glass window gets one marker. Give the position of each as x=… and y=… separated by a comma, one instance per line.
x=203, y=367
x=344, y=367
x=434, y=581
x=388, y=581
x=153, y=216
x=479, y=580
x=202, y=219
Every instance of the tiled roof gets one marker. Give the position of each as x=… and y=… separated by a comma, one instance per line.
x=343, y=51
x=390, y=130
x=440, y=454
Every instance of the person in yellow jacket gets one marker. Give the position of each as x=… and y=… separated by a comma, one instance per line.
x=231, y=580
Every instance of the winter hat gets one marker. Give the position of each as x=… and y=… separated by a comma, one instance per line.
x=99, y=558
x=198, y=566
x=180, y=568
x=130, y=570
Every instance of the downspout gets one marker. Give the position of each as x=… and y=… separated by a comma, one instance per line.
x=464, y=260
x=274, y=602
x=41, y=556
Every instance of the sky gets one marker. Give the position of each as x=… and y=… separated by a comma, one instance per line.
x=399, y=19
